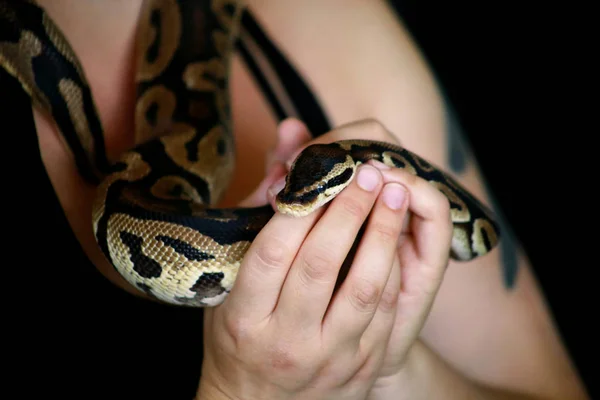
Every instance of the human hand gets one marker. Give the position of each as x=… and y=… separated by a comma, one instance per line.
x=283, y=335
x=422, y=260
x=423, y=247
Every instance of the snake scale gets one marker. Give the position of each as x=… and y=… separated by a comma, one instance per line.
x=154, y=216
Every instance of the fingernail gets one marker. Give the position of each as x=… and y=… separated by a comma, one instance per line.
x=277, y=187
x=367, y=178
x=394, y=195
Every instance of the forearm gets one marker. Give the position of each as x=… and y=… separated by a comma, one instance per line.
x=361, y=63
x=427, y=376
x=211, y=393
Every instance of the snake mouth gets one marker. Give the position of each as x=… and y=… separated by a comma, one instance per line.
x=300, y=207
x=294, y=209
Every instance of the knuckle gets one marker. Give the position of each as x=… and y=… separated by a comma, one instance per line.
x=353, y=207
x=429, y=289
x=317, y=266
x=364, y=295
x=271, y=254
x=282, y=358
x=445, y=204
x=428, y=286
x=388, y=300
x=367, y=371
x=386, y=231
x=442, y=207
x=236, y=329
x=413, y=180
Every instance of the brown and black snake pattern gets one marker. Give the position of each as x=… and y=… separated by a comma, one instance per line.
x=154, y=215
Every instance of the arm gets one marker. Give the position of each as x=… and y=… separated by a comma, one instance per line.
x=424, y=367
x=362, y=64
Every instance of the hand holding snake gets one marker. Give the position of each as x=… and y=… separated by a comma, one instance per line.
x=285, y=303
x=152, y=216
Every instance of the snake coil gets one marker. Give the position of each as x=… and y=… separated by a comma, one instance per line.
x=152, y=216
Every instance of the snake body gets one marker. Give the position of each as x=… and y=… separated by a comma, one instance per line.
x=154, y=216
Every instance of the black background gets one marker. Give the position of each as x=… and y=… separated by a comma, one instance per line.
x=516, y=75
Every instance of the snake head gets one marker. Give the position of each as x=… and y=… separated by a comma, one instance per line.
x=318, y=174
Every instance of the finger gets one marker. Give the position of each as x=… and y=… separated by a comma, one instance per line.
x=380, y=329
x=406, y=221
x=362, y=129
x=423, y=255
x=360, y=296
x=307, y=290
x=291, y=134
x=259, y=196
x=431, y=226
x=265, y=266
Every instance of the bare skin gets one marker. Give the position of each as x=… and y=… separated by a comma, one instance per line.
x=488, y=335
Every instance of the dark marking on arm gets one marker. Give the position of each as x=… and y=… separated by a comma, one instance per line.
x=458, y=156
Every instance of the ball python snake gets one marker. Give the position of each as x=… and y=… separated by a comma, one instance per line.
x=154, y=216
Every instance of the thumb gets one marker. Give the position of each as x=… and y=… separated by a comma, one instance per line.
x=259, y=196
x=291, y=135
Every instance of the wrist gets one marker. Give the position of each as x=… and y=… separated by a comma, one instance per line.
x=398, y=385
x=209, y=389
x=424, y=375
x=414, y=380
x=211, y=393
